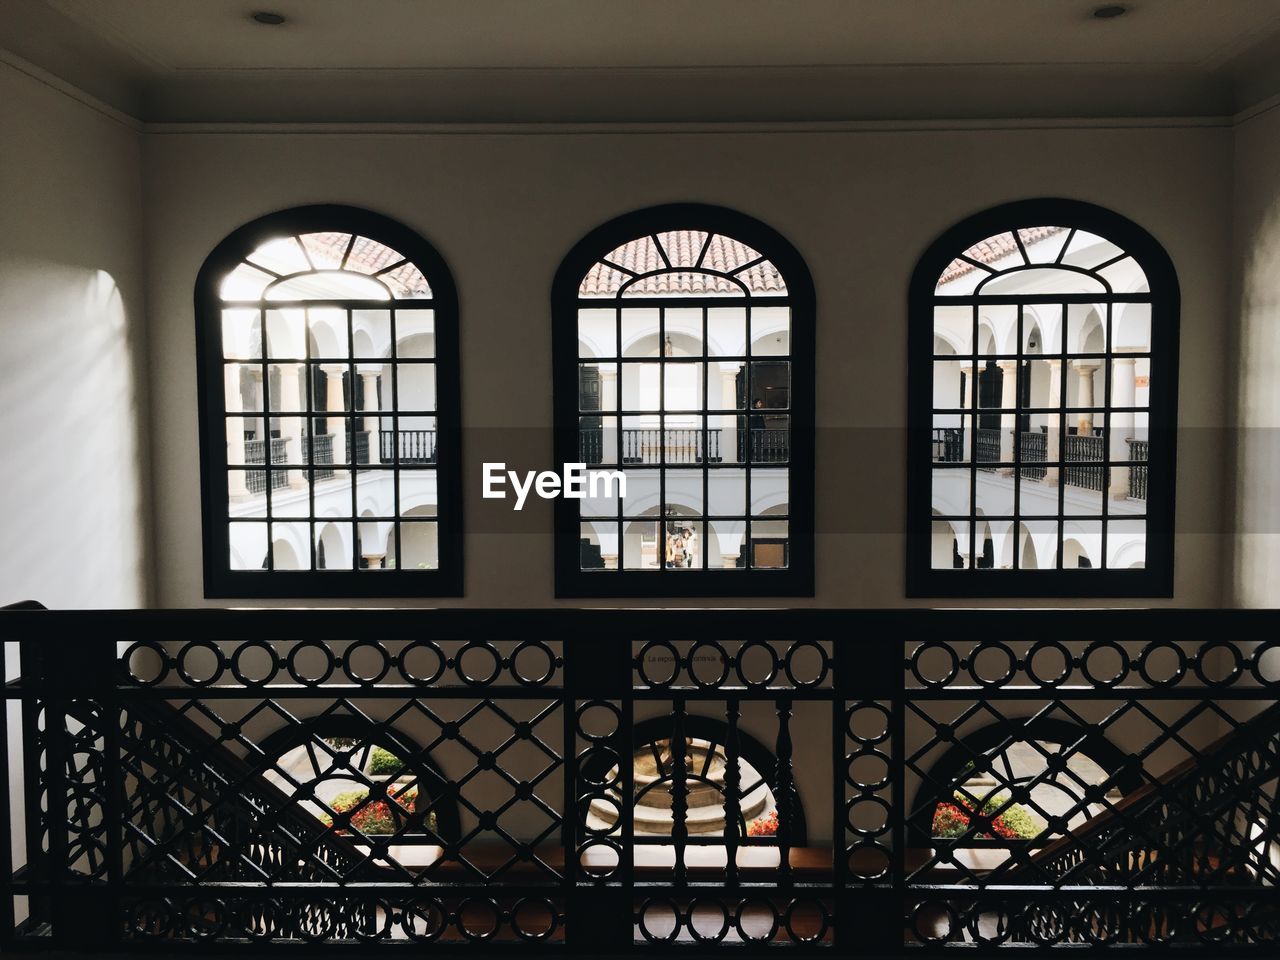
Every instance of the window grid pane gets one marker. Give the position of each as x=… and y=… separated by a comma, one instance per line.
x=1040, y=407
x=674, y=391
x=330, y=410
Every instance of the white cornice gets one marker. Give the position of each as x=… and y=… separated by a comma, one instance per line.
x=684, y=128
x=542, y=128
x=70, y=90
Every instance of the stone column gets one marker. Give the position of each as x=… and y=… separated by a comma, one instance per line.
x=729, y=401
x=610, y=560
x=373, y=423
x=1052, y=445
x=1084, y=398
x=729, y=560
x=291, y=427
x=235, y=429
x=1123, y=392
x=1008, y=421
x=609, y=419
x=374, y=560
x=333, y=402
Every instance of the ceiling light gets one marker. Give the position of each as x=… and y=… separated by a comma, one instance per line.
x=1110, y=11
x=268, y=19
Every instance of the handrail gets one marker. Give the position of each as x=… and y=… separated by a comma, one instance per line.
x=1210, y=758
x=244, y=772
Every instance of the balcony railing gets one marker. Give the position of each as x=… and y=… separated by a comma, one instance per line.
x=770, y=445
x=684, y=446
x=1138, y=474
x=587, y=791
x=255, y=452
x=988, y=448
x=1085, y=465
x=358, y=447
x=948, y=445
x=414, y=446
x=675, y=445
x=1091, y=474
x=322, y=453
x=1034, y=449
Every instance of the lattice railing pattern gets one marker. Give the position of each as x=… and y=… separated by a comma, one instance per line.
x=631, y=781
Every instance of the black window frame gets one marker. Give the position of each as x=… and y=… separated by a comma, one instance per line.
x=1156, y=578
x=797, y=579
x=220, y=581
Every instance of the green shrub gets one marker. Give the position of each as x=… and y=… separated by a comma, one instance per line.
x=1019, y=821
x=1013, y=822
x=384, y=762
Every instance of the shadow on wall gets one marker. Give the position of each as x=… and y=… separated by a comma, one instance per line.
x=70, y=423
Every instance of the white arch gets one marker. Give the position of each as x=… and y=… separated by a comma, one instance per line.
x=337, y=548
x=1131, y=553
x=327, y=328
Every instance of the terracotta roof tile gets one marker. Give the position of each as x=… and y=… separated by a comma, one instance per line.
x=682, y=248
x=994, y=249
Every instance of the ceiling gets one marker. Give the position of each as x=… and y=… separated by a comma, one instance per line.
x=457, y=60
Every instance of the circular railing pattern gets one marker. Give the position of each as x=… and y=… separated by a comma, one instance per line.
x=1099, y=664
x=362, y=663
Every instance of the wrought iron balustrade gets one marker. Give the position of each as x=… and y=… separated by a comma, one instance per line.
x=988, y=439
x=322, y=453
x=1092, y=473
x=675, y=445
x=789, y=779
x=255, y=452
x=948, y=445
x=770, y=445
x=408, y=446
x=1035, y=449
x=591, y=445
x=358, y=447
x=1138, y=474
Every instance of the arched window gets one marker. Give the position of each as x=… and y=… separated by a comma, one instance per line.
x=683, y=340
x=328, y=358
x=1042, y=400
x=1014, y=787
x=364, y=781
x=706, y=768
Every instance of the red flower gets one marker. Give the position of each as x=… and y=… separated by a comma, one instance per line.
x=952, y=820
x=766, y=826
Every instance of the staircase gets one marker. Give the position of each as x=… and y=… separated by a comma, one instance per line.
x=1209, y=822
x=194, y=813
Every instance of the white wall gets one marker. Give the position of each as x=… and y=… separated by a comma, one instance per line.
x=860, y=205
x=74, y=476
x=71, y=337
x=1254, y=566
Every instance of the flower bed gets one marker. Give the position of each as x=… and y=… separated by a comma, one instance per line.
x=951, y=820
x=375, y=817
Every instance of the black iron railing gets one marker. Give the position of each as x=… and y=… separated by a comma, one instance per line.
x=255, y=452
x=1091, y=474
x=988, y=447
x=358, y=447
x=770, y=445
x=948, y=445
x=591, y=445
x=681, y=445
x=414, y=446
x=322, y=453
x=789, y=779
x=675, y=445
x=1035, y=449
x=1138, y=474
